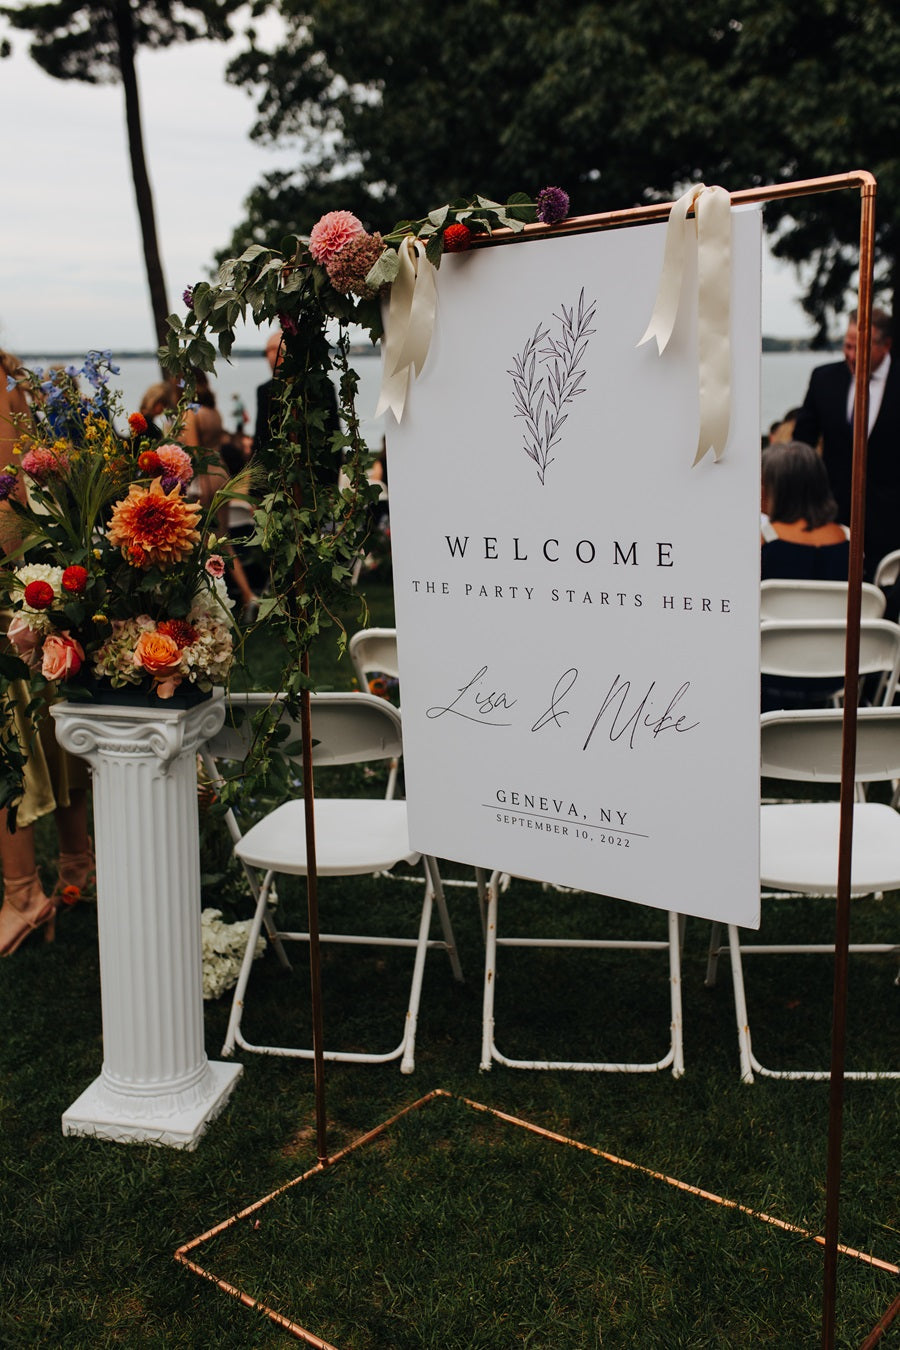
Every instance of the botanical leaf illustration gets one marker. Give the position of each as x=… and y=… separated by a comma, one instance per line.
x=547, y=375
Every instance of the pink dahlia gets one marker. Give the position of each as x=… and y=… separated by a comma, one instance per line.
x=42, y=464
x=348, y=269
x=332, y=232
x=176, y=463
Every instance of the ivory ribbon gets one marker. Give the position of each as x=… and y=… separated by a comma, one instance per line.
x=712, y=214
x=409, y=327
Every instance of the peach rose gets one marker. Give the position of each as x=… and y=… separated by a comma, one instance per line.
x=63, y=657
x=157, y=654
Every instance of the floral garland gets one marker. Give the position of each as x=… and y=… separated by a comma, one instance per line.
x=310, y=522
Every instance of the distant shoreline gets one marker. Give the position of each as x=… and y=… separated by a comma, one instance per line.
x=769, y=344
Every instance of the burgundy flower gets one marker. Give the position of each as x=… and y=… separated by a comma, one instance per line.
x=457, y=238
x=348, y=269
x=288, y=324
x=187, y=296
x=552, y=205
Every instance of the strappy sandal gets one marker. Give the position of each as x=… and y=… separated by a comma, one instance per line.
x=76, y=878
x=25, y=910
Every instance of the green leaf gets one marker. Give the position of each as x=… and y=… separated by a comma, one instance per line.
x=439, y=216
x=434, y=250
x=520, y=207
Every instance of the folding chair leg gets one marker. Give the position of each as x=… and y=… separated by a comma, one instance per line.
x=490, y=970
x=408, y=1061
x=434, y=878
x=712, y=959
x=740, y=1004
x=676, y=935
x=237, y=1002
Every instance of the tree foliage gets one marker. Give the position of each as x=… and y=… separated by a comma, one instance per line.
x=97, y=43
x=619, y=103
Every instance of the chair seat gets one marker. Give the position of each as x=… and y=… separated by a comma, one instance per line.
x=353, y=836
x=799, y=847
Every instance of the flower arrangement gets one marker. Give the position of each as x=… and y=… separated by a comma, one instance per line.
x=110, y=572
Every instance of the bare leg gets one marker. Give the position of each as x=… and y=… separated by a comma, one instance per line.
x=25, y=906
x=76, y=856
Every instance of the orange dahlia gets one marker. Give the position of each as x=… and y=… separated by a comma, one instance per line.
x=154, y=526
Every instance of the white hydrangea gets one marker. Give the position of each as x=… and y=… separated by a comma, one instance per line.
x=223, y=951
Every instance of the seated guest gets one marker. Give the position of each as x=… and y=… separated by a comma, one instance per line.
x=801, y=539
x=800, y=542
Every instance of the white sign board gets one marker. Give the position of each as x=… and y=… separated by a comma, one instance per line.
x=577, y=606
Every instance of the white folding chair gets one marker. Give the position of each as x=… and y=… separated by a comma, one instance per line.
x=674, y=1057
x=373, y=653
x=799, y=845
x=785, y=599
x=888, y=569
x=353, y=837
x=815, y=649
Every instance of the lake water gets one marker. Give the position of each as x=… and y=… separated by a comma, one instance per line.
x=784, y=377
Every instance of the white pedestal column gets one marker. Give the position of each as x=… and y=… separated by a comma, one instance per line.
x=156, y=1085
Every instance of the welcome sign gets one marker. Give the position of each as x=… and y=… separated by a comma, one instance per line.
x=577, y=602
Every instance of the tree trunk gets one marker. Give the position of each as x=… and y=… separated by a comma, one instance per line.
x=142, y=190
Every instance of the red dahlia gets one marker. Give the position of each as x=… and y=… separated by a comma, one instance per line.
x=74, y=579
x=39, y=594
x=138, y=423
x=150, y=463
x=457, y=238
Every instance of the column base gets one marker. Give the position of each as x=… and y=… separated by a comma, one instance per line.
x=101, y=1114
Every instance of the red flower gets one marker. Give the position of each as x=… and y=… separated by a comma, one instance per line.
x=457, y=238
x=138, y=423
x=150, y=463
x=39, y=594
x=74, y=579
x=179, y=630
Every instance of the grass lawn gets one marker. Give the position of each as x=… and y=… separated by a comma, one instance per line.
x=455, y=1229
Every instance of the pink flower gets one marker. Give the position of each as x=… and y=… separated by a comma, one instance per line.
x=332, y=232
x=176, y=463
x=42, y=464
x=215, y=565
x=23, y=637
x=63, y=657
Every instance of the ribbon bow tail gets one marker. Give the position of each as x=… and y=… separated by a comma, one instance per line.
x=410, y=326
x=712, y=210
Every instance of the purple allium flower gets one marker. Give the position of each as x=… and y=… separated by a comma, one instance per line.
x=552, y=205
x=7, y=485
x=187, y=296
x=169, y=481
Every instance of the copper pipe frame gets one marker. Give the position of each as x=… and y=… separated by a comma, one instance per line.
x=183, y=1256
x=865, y=183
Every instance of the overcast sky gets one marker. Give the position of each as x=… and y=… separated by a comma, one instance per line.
x=71, y=266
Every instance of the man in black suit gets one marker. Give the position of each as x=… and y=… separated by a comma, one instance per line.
x=262, y=430
x=827, y=415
